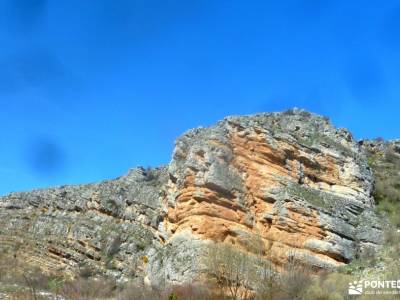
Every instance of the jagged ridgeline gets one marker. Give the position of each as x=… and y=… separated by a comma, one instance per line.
x=281, y=185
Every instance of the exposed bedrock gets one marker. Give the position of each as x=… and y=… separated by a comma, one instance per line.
x=280, y=184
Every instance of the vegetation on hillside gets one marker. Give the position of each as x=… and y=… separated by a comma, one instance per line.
x=386, y=168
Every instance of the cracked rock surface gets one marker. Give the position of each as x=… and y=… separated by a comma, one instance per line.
x=290, y=181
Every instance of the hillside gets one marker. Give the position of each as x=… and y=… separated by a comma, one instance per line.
x=277, y=189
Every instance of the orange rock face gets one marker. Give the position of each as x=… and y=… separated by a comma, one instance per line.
x=283, y=185
x=244, y=181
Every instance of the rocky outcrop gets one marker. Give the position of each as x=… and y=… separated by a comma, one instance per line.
x=104, y=228
x=381, y=147
x=281, y=184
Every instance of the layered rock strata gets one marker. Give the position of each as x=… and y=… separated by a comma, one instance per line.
x=280, y=184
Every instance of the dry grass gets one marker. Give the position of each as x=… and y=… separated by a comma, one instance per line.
x=88, y=289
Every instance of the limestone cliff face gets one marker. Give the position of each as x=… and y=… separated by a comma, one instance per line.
x=105, y=228
x=283, y=184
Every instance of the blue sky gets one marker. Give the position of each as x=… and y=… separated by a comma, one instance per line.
x=89, y=89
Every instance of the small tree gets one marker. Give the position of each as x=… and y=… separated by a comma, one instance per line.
x=295, y=278
x=232, y=270
x=267, y=284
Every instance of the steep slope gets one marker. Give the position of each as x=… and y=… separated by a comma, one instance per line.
x=98, y=228
x=384, y=160
x=284, y=184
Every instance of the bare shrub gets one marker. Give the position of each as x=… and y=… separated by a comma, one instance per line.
x=231, y=270
x=295, y=278
x=192, y=292
x=243, y=275
x=29, y=279
x=88, y=289
x=330, y=286
x=136, y=291
x=268, y=284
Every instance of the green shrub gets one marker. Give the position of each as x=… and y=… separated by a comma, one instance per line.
x=173, y=296
x=386, y=169
x=390, y=209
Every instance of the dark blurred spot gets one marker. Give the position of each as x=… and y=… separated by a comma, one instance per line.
x=46, y=157
x=34, y=68
x=24, y=15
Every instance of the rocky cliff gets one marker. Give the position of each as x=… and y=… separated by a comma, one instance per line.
x=284, y=184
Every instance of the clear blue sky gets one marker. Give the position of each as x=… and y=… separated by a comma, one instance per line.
x=89, y=89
